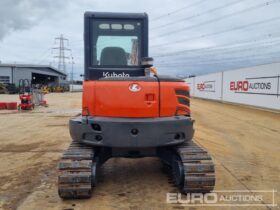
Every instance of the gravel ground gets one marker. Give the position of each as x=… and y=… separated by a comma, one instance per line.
x=244, y=142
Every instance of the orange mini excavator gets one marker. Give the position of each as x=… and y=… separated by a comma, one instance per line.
x=129, y=111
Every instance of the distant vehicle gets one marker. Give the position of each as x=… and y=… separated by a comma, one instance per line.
x=25, y=95
x=12, y=89
x=3, y=88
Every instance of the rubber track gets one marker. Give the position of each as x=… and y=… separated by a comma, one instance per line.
x=75, y=172
x=199, y=171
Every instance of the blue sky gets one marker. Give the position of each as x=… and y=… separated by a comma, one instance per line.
x=186, y=36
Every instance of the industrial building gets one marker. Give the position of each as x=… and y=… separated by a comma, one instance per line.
x=36, y=74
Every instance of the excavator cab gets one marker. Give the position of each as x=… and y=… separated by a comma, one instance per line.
x=128, y=111
x=115, y=43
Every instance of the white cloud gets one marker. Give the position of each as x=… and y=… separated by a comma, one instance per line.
x=28, y=29
x=24, y=14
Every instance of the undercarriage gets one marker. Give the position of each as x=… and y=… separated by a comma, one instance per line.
x=189, y=164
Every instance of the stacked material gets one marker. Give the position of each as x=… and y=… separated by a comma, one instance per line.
x=8, y=105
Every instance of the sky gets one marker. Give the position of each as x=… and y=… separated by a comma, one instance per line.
x=186, y=37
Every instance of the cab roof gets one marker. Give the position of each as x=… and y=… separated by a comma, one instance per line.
x=116, y=15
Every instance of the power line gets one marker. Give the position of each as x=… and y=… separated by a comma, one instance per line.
x=198, y=15
x=42, y=55
x=196, y=69
x=45, y=58
x=221, y=18
x=61, y=50
x=224, y=59
x=233, y=43
x=78, y=42
x=230, y=50
x=233, y=65
x=177, y=10
x=218, y=32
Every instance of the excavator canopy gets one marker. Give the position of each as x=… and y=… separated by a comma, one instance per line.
x=115, y=43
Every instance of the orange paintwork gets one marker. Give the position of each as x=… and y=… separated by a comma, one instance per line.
x=153, y=70
x=168, y=98
x=114, y=99
x=88, y=98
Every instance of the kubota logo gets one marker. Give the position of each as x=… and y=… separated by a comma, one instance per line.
x=113, y=74
x=134, y=87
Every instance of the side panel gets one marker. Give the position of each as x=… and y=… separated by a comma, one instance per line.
x=88, y=97
x=115, y=99
x=174, y=99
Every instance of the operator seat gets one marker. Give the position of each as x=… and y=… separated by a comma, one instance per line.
x=113, y=56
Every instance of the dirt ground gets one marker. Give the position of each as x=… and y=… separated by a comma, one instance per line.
x=244, y=142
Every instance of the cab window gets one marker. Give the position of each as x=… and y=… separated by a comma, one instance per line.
x=116, y=43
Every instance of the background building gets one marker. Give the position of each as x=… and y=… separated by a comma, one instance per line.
x=36, y=74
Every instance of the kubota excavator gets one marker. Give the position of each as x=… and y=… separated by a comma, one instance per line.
x=129, y=111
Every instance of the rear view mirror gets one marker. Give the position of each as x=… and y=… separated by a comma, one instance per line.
x=147, y=62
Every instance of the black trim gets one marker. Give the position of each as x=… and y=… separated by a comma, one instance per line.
x=12, y=74
x=262, y=77
x=268, y=94
x=209, y=81
x=278, y=85
x=182, y=92
x=183, y=101
x=210, y=91
x=165, y=78
x=144, y=79
x=90, y=14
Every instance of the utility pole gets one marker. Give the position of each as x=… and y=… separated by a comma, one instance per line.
x=61, y=53
x=72, y=72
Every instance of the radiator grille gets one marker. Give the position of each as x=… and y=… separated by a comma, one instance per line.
x=182, y=93
x=183, y=101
